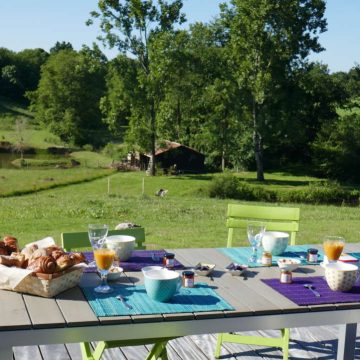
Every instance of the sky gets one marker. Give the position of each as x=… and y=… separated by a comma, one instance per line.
x=40, y=23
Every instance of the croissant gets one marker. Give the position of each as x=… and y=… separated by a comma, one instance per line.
x=79, y=257
x=55, y=254
x=43, y=264
x=65, y=261
x=49, y=250
x=15, y=259
x=11, y=244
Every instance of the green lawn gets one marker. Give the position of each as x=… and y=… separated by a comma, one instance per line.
x=185, y=217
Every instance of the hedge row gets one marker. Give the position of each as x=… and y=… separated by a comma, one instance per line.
x=231, y=187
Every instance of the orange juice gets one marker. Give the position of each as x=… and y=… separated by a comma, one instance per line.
x=333, y=249
x=104, y=258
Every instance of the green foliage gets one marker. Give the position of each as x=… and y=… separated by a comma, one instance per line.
x=232, y=187
x=67, y=99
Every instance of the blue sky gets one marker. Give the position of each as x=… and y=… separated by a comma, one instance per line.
x=40, y=23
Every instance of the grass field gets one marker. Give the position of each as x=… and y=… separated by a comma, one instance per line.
x=185, y=217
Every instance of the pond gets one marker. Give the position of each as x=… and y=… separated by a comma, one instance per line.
x=7, y=158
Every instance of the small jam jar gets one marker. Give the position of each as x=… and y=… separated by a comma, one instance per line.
x=266, y=258
x=188, y=279
x=312, y=256
x=169, y=260
x=286, y=277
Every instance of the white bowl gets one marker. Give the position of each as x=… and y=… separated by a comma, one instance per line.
x=341, y=276
x=275, y=242
x=114, y=273
x=236, y=269
x=122, y=244
x=288, y=264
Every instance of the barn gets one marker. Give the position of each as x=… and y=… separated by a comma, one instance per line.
x=174, y=156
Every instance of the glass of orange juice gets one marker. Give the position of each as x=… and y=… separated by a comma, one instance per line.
x=333, y=247
x=104, y=258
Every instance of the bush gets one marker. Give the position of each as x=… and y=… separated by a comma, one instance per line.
x=231, y=187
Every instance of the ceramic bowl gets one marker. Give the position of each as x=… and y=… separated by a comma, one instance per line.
x=204, y=269
x=161, y=285
x=341, y=276
x=275, y=242
x=236, y=269
x=115, y=273
x=122, y=244
x=149, y=268
x=288, y=264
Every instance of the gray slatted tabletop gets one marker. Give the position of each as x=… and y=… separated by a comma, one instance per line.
x=68, y=318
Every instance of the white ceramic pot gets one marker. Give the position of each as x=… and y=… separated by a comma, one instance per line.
x=275, y=242
x=122, y=244
x=341, y=276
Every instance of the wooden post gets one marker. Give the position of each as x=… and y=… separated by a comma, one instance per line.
x=143, y=186
x=108, y=186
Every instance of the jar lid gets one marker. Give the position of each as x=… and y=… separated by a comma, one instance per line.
x=313, y=251
x=188, y=273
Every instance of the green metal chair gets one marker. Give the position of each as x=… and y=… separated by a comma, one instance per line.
x=77, y=240
x=275, y=218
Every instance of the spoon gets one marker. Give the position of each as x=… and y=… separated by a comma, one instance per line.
x=121, y=298
x=310, y=287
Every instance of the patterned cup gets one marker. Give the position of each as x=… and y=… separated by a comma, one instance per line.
x=341, y=276
x=161, y=285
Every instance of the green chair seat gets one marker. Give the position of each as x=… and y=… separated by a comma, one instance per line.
x=275, y=218
x=79, y=240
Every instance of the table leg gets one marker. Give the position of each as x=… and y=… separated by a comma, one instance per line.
x=346, y=343
x=6, y=352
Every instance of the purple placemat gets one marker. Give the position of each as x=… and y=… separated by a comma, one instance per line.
x=300, y=295
x=138, y=260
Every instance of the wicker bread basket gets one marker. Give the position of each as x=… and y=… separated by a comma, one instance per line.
x=49, y=285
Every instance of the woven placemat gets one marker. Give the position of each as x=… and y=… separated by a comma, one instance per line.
x=241, y=255
x=197, y=299
x=300, y=295
x=138, y=260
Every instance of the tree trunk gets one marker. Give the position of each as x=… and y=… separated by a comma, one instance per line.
x=223, y=161
x=258, y=146
x=152, y=169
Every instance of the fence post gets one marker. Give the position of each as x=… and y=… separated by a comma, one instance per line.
x=143, y=186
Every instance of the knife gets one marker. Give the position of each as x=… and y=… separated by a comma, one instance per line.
x=121, y=298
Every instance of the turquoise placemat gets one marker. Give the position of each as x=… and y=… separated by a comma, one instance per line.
x=356, y=255
x=241, y=255
x=197, y=299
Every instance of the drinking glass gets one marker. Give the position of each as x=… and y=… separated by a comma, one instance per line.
x=104, y=258
x=333, y=247
x=97, y=234
x=255, y=232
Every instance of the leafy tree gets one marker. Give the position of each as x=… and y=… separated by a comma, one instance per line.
x=63, y=45
x=68, y=96
x=267, y=42
x=131, y=26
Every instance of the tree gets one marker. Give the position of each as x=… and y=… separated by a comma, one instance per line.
x=63, y=45
x=68, y=96
x=267, y=42
x=131, y=26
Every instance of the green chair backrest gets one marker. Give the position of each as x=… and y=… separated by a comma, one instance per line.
x=76, y=240
x=276, y=218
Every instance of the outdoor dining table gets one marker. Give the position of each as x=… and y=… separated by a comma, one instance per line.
x=69, y=318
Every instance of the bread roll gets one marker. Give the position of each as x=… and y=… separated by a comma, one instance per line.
x=42, y=264
x=3, y=249
x=15, y=259
x=11, y=244
x=64, y=262
x=37, y=254
x=79, y=257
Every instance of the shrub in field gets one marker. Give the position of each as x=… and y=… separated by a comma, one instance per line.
x=231, y=187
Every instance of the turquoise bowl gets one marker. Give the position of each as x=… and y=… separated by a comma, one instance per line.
x=161, y=285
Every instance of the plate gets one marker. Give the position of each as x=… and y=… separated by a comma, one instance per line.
x=115, y=273
x=236, y=269
x=204, y=269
